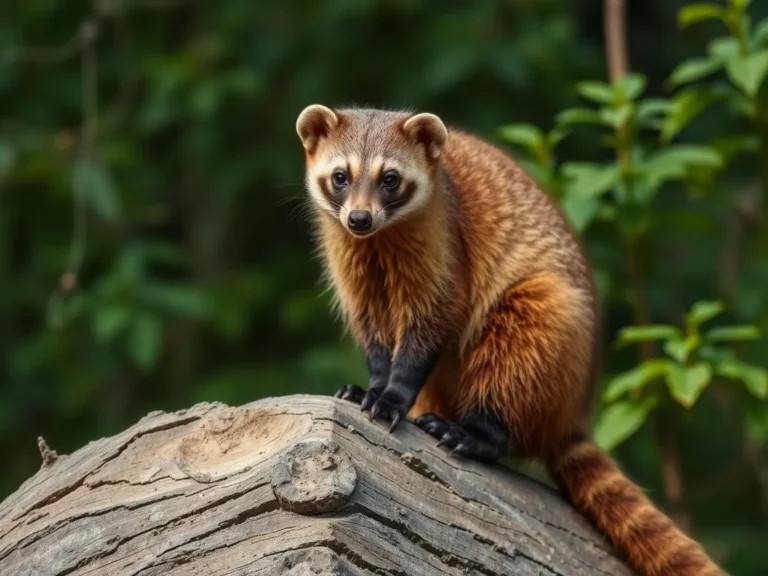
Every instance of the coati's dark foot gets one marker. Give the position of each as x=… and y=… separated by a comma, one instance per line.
x=350, y=392
x=433, y=425
x=477, y=436
x=389, y=406
x=377, y=401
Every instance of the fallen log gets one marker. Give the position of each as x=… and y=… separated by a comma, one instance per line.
x=292, y=486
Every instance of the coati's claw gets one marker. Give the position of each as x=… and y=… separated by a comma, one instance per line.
x=452, y=436
x=395, y=422
x=351, y=393
x=389, y=407
x=432, y=424
x=476, y=450
x=370, y=397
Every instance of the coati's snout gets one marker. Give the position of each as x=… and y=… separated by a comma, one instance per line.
x=360, y=221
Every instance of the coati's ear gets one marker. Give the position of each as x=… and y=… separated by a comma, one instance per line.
x=314, y=122
x=429, y=130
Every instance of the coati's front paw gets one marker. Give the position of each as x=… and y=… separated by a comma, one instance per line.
x=389, y=406
x=351, y=392
x=458, y=440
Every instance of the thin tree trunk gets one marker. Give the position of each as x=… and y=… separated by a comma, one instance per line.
x=617, y=58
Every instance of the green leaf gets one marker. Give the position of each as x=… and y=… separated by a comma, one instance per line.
x=557, y=135
x=724, y=49
x=578, y=116
x=526, y=135
x=732, y=333
x=617, y=117
x=635, y=379
x=580, y=210
x=680, y=350
x=98, y=190
x=740, y=104
x=714, y=355
x=754, y=378
x=648, y=109
x=207, y=97
x=176, y=299
x=591, y=179
x=536, y=171
x=760, y=36
x=749, y=73
x=651, y=332
x=7, y=158
x=631, y=86
x=686, y=105
x=674, y=162
x=164, y=253
x=621, y=420
x=146, y=341
x=691, y=154
x=757, y=422
x=109, y=321
x=704, y=311
x=730, y=147
x=692, y=70
x=598, y=92
x=694, y=13
x=687, y=383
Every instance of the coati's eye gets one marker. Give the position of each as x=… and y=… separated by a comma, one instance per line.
x=339, y=179
x=390, y=181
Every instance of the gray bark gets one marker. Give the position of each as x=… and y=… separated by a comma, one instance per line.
x=291, y=486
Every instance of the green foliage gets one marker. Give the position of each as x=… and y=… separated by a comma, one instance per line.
x=622, y=192
x=694, y=357
x=198, y=279
x=741, y=54
x=669, y=185
x=622, y=419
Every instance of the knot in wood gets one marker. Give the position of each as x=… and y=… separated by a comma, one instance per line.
x=313, y=476
x=311, y=562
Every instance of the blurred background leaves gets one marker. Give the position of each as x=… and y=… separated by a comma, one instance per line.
x=149, y=146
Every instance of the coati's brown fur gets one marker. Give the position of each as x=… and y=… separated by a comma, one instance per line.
x=470, y=261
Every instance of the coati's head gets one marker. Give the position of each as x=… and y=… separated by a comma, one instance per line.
x=370, y=168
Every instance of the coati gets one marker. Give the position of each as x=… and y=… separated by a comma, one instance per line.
x=475, y=308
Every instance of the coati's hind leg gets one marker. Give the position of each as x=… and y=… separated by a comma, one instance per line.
x=477, y=435
x=523, y=376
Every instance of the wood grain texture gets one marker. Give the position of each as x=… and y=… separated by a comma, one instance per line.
x=191, y=493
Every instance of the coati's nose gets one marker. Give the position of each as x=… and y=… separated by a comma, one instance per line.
x=360, y=220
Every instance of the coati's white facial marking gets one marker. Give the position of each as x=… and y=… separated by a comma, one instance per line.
x=321, y=170
x=415, y=183
x=370, y=169
x=364, y=189
x=353, y=161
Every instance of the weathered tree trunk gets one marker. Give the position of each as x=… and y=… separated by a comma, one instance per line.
x=292, y=486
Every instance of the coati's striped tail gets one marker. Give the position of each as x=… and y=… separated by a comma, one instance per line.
x=649, y=540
